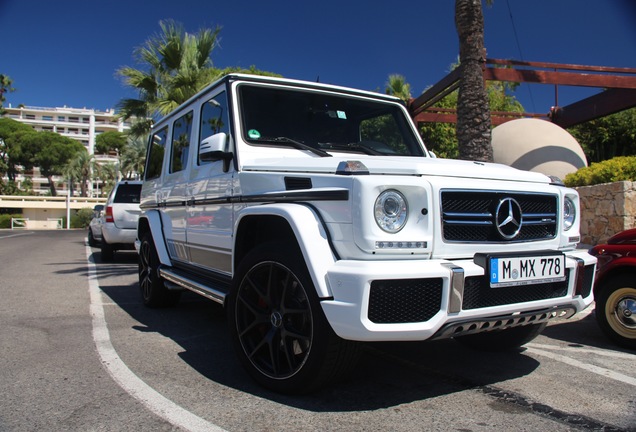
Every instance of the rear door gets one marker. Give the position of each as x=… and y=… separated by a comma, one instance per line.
x=125, y=205
x=174, y=185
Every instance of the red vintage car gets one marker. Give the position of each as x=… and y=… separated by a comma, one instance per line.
x=615, y=288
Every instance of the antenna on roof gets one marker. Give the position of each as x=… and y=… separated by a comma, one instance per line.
x=318, y=79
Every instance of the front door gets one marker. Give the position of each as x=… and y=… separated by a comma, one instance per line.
x=209, y=212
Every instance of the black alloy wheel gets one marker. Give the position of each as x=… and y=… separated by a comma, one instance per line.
x=153, y=290
x=277, y=325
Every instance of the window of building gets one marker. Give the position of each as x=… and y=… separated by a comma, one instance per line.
x=61, y=118
x=30, y=116
x=73, y=119
x=47, y=118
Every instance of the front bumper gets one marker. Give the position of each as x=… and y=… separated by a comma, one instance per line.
x=435, y=299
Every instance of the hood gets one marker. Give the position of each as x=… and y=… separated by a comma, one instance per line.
x=624, y=237
x=408, y=166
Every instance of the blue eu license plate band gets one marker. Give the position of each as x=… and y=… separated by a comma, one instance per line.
x=526, y=270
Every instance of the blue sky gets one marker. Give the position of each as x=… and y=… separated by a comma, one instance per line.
x=66, y=52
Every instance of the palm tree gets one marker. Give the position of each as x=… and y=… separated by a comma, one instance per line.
x=178, y=65
x=109, y=174
x=5, y=86
x=80, y=168
x=473, y=111
x=398, y=87
x=133, y=158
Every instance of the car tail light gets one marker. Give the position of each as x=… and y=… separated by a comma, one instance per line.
x=109, y=214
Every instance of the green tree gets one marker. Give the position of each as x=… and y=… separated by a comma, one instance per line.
x=109, y=175
x=133, y=158
x=80, y=168
x=473, y=111
x=110, y=141
x=15, y=147
x=398, y=87
x=441, y=138
x=608, y=137
x=54, y=153
x=176, y=66
x=5, y=87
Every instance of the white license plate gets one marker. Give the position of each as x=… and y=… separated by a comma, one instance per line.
x=511, y=271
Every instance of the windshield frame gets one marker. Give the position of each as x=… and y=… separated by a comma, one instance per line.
x=304, y=102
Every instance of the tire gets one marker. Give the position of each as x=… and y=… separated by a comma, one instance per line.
x=502, y=340
x=91, y=238
x=153, y=291
x=108, y=253
x=616, y=309
x=277, y=325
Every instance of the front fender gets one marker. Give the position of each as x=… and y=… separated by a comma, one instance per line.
x=153, y=219
x=311, y=236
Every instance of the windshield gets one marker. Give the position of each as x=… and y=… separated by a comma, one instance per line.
x=327, y=122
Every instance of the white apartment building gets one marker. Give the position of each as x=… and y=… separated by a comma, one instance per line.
x=81, y=124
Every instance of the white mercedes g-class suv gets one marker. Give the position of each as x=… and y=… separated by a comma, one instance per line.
x=316, y=216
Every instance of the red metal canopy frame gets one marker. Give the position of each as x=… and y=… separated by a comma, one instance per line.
x=619, y=93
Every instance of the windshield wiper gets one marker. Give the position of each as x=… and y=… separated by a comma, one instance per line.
x=296, y=144
x=353, y=147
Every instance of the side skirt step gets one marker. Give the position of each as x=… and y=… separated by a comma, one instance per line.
x=198, y=287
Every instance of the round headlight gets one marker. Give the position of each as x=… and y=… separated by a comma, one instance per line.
x=391, y=211
x=569, y=213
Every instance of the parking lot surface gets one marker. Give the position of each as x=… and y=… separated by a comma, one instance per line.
x=80, y=352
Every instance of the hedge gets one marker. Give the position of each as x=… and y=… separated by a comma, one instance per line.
x=5, y=220
x=622, y=168
x=82, y=218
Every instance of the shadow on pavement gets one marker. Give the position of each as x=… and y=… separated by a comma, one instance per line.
x=580, y=332
x=388, y=374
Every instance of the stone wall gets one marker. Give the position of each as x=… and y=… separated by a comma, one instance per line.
x=606, y=209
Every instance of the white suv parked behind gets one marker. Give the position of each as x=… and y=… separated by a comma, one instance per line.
x=119, y=219
x=316, y=216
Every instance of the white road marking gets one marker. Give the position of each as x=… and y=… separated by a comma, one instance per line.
x=131, y=383
x=596, y=351
x=16, y=235
x=585, y=366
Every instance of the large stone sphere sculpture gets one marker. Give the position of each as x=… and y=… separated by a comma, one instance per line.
x=537, y=145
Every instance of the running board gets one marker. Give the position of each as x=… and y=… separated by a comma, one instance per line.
x=192, y=285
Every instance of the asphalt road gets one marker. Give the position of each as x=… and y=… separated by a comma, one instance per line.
x=80, y=352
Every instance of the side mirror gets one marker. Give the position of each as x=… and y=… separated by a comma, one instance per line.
x=97, y=210
x=431, y=154
x=214, y=148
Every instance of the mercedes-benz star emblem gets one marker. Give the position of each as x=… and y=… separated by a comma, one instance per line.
x=508, y=218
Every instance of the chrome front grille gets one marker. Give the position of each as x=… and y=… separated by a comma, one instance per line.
x=471, y=216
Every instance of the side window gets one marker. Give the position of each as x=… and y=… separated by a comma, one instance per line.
x=214, y=117
x=156, y=149
x=181, y=132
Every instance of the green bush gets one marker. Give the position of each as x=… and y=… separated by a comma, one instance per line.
x=82, y=218
x=5, y=220
x=618, y=169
